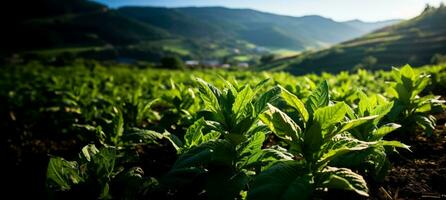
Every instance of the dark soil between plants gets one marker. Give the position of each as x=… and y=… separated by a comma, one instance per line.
x=420, y=174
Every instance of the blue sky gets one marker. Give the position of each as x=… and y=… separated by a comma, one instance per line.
x=340, y=10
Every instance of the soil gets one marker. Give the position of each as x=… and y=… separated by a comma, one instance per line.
x=420, y=174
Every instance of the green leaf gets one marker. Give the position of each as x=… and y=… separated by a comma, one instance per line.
x=427, y=123
x=281, y=124
x=118, y=127
x=261, y=103
x=295, y=102
x=63, y=174
x=242, y=99
x=209, y=94
x=364, y=103
x=174, y=140
x=265, y=158
x=420, y=84
x=345, y=179
x=211, y=136
x=217, y=152
x=384, y=130
x=104, y=163
x=394, y=144
x=381, y=111
x=89, y=151
x=285, y=180
x=403, y=94
x=136, y=135
x=318, y=98
x=261, y=84
x=332, y=154
x=194, y=134
x=345, y=126
x=313, y=141
x=330, y=115
x=252, y=145
x=407, y=72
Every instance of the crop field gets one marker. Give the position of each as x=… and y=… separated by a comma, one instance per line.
x=87, y=131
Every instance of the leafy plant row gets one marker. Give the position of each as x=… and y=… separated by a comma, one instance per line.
x=264, y=140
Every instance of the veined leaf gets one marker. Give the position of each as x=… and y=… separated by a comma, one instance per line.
x=319, y=98
x=174, y=140
x=381, y=111
x=265, y=158
x=407, y=72
x=330, y=155
x=345, y=126
x=211, y=136
x=394, y=144
x=63, y=174
x=384, y=130
x=209, y=94
x=242, y=99
x=89, y=151
x=345, y=179
x=330, y=115
x=295, y=102
x=281, y=124
x=193, y=134
x=364, y=104
x=427, y=123
x=252, y=145
x=137, y=135
x=285, y=180
x=219, y=151
x=260, y=103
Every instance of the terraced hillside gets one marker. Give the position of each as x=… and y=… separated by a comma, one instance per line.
x=414, y=42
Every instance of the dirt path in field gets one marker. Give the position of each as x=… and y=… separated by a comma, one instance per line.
x=420, y=174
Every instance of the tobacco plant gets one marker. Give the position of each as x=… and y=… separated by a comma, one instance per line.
x=372, y=161
x=223, y=150
x=410, y=109
x=314, y=139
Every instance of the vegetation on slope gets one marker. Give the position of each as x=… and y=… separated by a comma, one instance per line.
x=416, y=42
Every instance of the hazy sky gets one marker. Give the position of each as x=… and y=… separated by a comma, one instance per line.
x=340, y=10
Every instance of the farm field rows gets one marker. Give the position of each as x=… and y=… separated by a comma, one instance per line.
x=89, y=131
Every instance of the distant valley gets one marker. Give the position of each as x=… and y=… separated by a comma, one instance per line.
x=80, y=28
x=419, y=41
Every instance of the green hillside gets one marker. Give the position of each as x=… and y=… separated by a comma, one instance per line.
x=92, y=28
x=259, y=28
x=85, y=29
x=414, y=42
x=367, y=27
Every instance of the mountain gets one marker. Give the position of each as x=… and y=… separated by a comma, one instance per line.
x=86, y=28
x=74, y=23
x=259, y=28
x=367, y=27
x=413, y=42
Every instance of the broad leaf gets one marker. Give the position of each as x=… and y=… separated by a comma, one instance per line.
x=345, y=179
x=295, y=102
x=217, y=152
x=242, y=99
x=63, y=174
x=384, y=130
x=281, y=124
x=319, y=98
x=330, y=115
x=260, y=103
x=194, y=134
x=345, y=126
x=285, y=180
